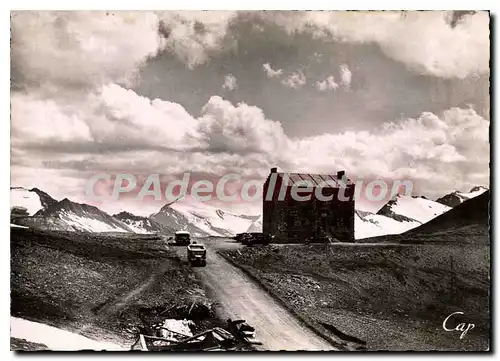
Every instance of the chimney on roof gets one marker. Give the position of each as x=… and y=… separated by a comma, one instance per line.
x=274, y=170
x=340, y=174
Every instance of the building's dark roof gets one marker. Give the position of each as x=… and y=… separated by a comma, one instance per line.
x=317, y=180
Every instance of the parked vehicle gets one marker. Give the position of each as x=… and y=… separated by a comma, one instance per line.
x=239, y=237
x=250, y=239
x=182, y=238
x=197, y=254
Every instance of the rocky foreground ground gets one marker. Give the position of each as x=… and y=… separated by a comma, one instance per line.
x=100, y=286
x=383, y=297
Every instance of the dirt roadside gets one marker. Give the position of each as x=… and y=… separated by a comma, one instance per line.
x=394, y=298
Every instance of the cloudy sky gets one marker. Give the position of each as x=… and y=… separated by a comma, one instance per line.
x=396, y=95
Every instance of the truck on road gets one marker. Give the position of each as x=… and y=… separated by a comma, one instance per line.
x=197, y=254
x=182, y=238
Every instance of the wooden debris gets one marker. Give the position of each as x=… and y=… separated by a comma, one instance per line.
x=191, y=308
x=175, y=333
x=214, y=339
x=143, y=343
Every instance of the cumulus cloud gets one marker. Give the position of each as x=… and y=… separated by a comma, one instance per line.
x=327, y=84
x=112, y=119
x=88, y=48
x=446, y=45
x=80, y=48
x=440, y=153
x=270, y=72
x=240, y=129
x=295, y=80
x=330, y=84
x=430, y=42
x=345, y=76
x=116, y=120
x=193, y=35
x=43, y=121
x=230, y=82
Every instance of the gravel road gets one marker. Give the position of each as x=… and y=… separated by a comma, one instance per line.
x=240, y=298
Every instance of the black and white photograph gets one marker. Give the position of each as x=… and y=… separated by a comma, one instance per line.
x=253, y=180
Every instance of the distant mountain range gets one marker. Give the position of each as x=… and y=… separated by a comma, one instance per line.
x=469, y=220
x=456, y=198
x=397, y=216
x=196, y=217
x=404, y=213
x=200, y=219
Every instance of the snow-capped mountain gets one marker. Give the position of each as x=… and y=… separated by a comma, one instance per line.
x=256, y=225
x=32, y=200
x=405, y=213
x=139, y=224
x=405, y=208
x=202, y=219
x=399, y=215
x=455, y=198
x=71, y=216
x=169, y=217
x=469, y=221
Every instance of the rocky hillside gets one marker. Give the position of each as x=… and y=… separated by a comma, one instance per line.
x=405, y=208
x=71, y=216
x=455, y=198
x=139, y=224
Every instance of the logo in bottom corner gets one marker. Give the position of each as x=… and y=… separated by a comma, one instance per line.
x=461, y=327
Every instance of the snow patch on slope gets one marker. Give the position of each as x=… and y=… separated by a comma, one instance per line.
x=55, y=338
x=88, y=224
x=213, y=221
x=374, y=225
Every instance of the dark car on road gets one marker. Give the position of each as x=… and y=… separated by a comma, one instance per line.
x=182, y=238
x=240, y=236
x=250, y=239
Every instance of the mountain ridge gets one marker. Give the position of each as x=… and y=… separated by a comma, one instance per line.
x=455, y=198
x=68, y=215
x=397, y=216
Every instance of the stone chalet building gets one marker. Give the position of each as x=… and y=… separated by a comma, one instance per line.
x=294, y=221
